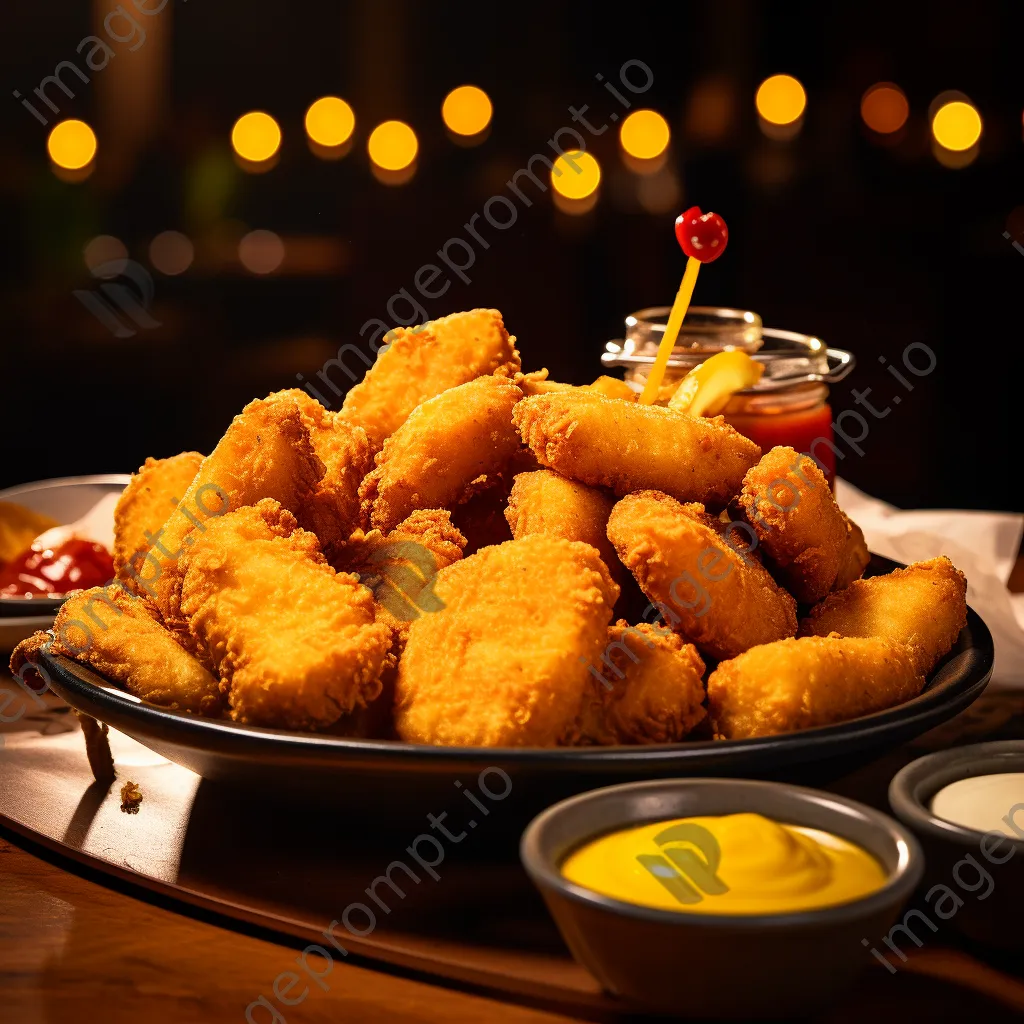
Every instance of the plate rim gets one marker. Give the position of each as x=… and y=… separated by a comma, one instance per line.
x=224, y=737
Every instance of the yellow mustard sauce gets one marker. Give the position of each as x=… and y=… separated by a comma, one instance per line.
x=733, y=864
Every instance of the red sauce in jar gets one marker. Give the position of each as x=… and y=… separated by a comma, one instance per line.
x=797, y=430
x=51, y=572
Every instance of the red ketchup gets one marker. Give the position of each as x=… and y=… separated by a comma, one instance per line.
x=53, y=571
x=798, y=430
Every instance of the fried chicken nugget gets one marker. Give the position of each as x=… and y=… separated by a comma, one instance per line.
x=152, y=493
x=611, y=442
x=855, y=556
x=504, y=662
x=923, y=607
x=296, y=644
x=649, y=690
x=789, y=504
x=334, y=509
x=797, y=684
x=446, y=444
x=112, y=631
x=266, y=452
x=548, y=503
x=421, y=362
x=720, y=599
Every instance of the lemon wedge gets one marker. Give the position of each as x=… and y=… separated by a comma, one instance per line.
x=706, y=389
x=612, y=387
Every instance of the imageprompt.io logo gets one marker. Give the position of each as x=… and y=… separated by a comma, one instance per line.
x=403, y=578
x=688, y=863
x=114, y=302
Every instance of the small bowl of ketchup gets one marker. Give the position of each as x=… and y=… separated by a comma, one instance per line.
x=38, y=568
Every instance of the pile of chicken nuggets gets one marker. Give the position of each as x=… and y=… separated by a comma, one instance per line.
x=470, y=555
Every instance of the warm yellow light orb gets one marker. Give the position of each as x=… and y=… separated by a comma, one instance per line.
x=575, y=174
x=467, y=110
x=71, y=145
x=884, y=108
x=330, y=121
x=256, y=136
x=956, y=126
x=781, y=99
x=392, y=145
x=644, y=134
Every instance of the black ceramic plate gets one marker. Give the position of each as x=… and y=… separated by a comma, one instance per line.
x=355, y=771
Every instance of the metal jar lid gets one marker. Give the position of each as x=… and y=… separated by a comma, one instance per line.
x=789, y=358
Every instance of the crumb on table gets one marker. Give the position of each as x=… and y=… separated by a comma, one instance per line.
x=131, y=797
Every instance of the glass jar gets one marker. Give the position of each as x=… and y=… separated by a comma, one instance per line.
x=787, y=406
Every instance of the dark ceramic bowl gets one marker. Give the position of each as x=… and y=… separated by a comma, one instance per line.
x=994, y=919
x=717, y=965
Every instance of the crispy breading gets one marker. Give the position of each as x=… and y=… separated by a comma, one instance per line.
x=421, y=362
x=145, y=504
x=797, y=684
x=334, y=509
x=296, y=644
x=789, y=504
x=923, y=606
x=611, y=442
x=855, y=557
x=463, y=435
x=504, y=662
x=548, y=503
x=647, y=689
x=536, y=382
x=266, y=452
x=721, y=599
x=111, y=630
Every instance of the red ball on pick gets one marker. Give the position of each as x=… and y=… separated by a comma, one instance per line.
x=703, y=236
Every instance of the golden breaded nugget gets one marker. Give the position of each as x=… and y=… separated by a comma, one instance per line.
x=421, y=362
x=548, y=503
x=855, y=556
x=923, y=607
x=334, y=509
x=504, y=662
x=147, y=502
x=611, y=442
x=111, y=630
x=295, y=643
x=648, y=688
x=788, y=502
x=797, y=684
x=266, y=452
x=446, y=444
x=708, y=592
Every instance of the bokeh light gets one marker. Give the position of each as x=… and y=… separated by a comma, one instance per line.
x=781, y=99
x=261, y=252
x=107, y=252
x=256, y=136
x=956, y=126
x=884, y=108
x=467, y=110
x=644, y=134
x=71, y=145
x=393, y=145
x=171, y=253
x=575, y=174
x=330, y=121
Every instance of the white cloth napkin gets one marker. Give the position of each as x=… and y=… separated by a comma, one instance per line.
x=983, y=545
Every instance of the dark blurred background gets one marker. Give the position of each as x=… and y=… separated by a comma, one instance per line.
x=870, y=239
